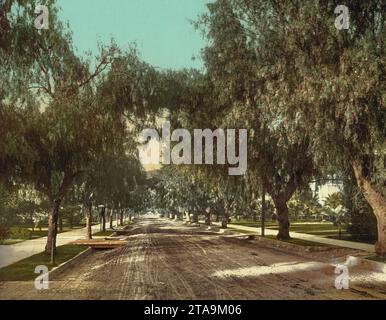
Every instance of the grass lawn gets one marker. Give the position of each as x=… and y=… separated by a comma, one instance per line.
x=20, y=234
x=299, y=242
x=378, y=259
x=323, y=229
x=256, y=224
x=9, y=242
x=349, y=237
x=24, y=269
x=104, y=234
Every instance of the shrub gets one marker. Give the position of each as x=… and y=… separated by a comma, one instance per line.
x=20, y=233
x=4, y=232
x=363, y=224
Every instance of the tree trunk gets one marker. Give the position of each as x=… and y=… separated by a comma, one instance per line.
x=103, y=216
x=111, y=219
x=32, y=222
x=53, y=226
x=208, y=220
x=89, y=222
x=121, y=216
x=195, y=217
x=224, y=222
x=54, y=215
x=282, y=218
x=280, y=200
x=377, y=201
x=60, y=222
x=224, y=219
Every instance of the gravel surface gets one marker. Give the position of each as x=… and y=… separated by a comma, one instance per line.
x=166, y=260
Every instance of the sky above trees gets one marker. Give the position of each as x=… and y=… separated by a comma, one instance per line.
x=161, y=28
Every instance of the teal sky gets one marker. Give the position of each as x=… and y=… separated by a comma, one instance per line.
x=161, y=28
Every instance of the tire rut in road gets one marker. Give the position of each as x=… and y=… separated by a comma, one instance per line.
x=167, y=260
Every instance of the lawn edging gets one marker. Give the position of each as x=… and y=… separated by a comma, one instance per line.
x=294, y=247
x=267, y=241
x=69, y=263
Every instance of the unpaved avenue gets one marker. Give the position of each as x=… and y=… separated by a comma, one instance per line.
x=167, y=260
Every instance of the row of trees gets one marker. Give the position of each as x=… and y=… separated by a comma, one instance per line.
x=312, y=97
x=67, y=126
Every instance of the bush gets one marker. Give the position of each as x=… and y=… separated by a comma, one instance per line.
x=363, y=224
x=20, y=233
x=4, y=232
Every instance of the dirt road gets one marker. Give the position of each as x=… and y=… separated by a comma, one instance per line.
x=167, y=260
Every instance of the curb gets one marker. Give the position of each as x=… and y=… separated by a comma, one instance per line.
x=292, y=246
x=311, y=251
x=302, y=251
x=69, y=263
x=226, y=231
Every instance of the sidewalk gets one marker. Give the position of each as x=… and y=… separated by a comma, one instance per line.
x=309, y=237
x=19, y=251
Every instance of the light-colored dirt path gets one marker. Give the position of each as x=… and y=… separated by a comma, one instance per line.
x=167, y=260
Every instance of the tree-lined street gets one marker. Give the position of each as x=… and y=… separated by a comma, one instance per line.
x=279, y=132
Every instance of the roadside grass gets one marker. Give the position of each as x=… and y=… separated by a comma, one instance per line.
x=349, y=237
x=377, y=259
x=323, y=229
x=318, y=229
x=20, y=233
x=104, y=234
x=9, y=242
x=299, y=242
x=255, y=224
x=24, y=269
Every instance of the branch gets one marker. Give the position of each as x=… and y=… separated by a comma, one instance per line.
x=99, y=69
x=47, y=90
x=67, y=181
